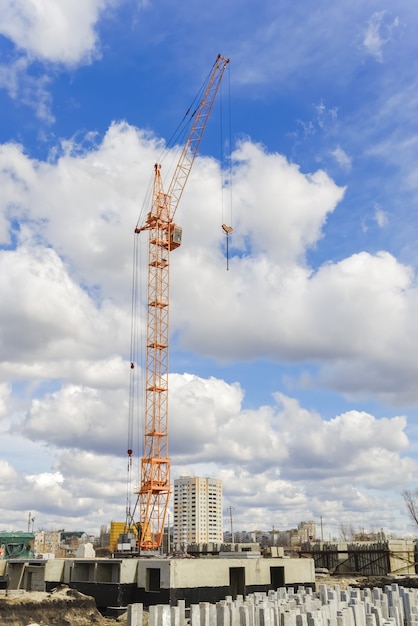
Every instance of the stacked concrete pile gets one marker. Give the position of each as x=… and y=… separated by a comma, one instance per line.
x=330, y=606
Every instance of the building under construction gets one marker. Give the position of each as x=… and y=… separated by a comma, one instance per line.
x=119, y=582
x=366, y=558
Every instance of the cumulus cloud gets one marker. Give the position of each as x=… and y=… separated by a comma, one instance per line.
x=69, y=279
x=84, y=201
x=209, y=424
x=66, y=286
x=298, y=203
x=352, y=443
x=5, y=393
x=7, y=473
x=30, y=90
x=278, y=463
x=285, y=462
x=88, y=419
x=61, y=32
x=52, y=316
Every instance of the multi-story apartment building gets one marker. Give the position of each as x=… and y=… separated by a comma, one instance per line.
x=48, y=542
x=197, y=510
x=307, y=531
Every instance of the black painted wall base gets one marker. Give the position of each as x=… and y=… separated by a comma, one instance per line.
x=119, y=595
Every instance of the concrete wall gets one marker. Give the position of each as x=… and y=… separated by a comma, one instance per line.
x=29, y=576
x=55, y=570
x=367, y=558
x=216, y=572
x=129, y=571
x=118, y=582
x=402, y=556
x=162, y=581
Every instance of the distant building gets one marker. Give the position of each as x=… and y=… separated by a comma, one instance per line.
x=49, y=542
x=307, y=531
x=197, y=510
x=58, y=542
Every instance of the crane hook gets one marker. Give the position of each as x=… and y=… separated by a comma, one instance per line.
x=227, y=230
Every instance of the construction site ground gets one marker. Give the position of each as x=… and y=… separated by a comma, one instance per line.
x=68, y=607
x=61, y=607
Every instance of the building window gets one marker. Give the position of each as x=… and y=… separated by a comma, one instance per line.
x=152, y=580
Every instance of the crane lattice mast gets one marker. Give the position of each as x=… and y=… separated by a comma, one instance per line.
x=163, y=237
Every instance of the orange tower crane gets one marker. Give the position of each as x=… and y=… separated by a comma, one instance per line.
x=164, y=236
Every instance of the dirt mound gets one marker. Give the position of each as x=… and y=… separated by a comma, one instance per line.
x=61, y=607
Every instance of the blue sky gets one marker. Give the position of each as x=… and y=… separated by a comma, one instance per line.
x=292, y=375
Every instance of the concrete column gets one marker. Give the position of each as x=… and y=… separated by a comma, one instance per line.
x=212, y=615
x=223, y=614
x=244, y=615
x=250, y=604
x=164, y=615
x=134, y=615
x=182, y=610
x=385, y=607
x=204, y=613
x=323, y=593
x=152, y=616
x=395, y=613
x=377, y=612
x=195, y=615
x=371, y=619
x=342, y=618
x=358, y=612
x=301, y=619
x=264, y=615
x=234, y=611
x=288, y=618
x=175, y=615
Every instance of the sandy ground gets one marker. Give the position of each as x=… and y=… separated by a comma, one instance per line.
x=63, y=607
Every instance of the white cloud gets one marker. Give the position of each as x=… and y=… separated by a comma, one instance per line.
x=66, y=317
x=301, y=466
x=89, y=418
x=5, y=393
x=8, y=475
x=282, y=210
x=208, y=424
x=342, y=158
x=45, y=314
x=31, y=91
x=61, y=32
x=379, y=34
x=279, y=463
x=380, y=216
x=84, y=205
